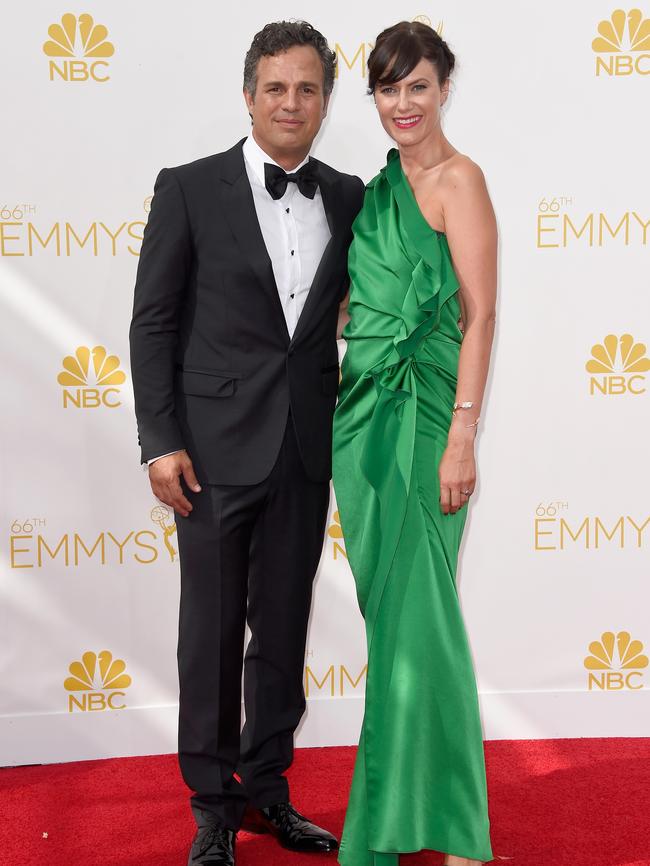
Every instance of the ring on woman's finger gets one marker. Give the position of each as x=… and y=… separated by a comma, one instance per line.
x=465, y=492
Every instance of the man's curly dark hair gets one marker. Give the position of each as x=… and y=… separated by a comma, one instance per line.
x=279, y=36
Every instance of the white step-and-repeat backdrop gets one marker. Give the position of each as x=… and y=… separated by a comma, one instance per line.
x=554, y=567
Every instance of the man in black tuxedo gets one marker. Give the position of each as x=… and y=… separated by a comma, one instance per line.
x=235, y=372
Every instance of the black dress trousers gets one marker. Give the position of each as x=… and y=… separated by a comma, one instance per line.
x=247, y=553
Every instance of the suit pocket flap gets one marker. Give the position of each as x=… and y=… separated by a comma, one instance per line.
x=204, y=384
x=330, y=379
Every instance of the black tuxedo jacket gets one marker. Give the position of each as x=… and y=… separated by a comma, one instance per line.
x=214, y=370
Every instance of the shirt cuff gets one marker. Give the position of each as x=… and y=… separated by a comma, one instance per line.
x=160, y=456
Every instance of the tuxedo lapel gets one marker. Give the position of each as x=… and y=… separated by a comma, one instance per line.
x=333, y=205
x=239, y=211
x=332, y=202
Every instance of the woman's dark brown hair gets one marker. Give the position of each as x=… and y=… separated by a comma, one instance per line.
x=399, y=49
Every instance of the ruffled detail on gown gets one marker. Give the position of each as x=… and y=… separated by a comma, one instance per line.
x=432, y=283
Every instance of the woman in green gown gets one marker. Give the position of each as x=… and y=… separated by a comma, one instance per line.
x=422, y=261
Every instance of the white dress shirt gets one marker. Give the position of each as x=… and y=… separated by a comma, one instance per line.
x=295, y=232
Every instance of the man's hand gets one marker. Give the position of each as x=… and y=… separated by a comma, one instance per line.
x=164, y=476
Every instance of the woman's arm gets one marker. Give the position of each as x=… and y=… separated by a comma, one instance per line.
x=470, y=226
x=344, y=316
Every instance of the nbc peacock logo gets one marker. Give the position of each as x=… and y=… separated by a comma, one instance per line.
x=617, y=366
x=622, y=46
x=97, y=682
x=80, y=47
x=616, y=662
x=91, y=379
x=335, y=532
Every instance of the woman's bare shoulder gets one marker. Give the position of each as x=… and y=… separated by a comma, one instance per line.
x=461, y=171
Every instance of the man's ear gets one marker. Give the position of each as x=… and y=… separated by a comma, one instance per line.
x=326, y=105
x=249, y=99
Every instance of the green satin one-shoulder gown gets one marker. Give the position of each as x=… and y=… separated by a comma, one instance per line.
x=419, y=780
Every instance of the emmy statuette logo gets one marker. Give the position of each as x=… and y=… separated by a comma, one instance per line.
x=161, y=516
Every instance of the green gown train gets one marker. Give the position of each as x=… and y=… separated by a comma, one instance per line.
x=419, y=780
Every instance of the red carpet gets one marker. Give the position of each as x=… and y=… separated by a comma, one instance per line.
x=553, y=803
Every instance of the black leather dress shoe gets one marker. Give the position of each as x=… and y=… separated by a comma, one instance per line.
x=212, y=846
x=290, y=828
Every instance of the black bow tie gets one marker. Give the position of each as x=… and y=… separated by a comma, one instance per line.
x=276, y=179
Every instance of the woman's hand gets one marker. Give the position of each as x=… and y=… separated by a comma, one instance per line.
x=457, y=470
